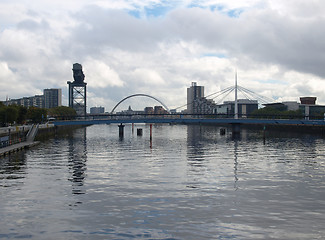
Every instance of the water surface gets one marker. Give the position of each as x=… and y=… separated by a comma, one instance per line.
x=189, y=183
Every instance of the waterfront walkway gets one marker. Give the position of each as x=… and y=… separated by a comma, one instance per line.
x=16, y=147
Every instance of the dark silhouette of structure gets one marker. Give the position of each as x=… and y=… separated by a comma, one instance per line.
x=77, y=91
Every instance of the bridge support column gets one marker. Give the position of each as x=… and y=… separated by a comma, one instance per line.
x=150, y=132
x=121, y=130
x=139, y=131
x=236, y=129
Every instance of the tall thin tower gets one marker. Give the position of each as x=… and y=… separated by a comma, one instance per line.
x=77, y=91
x=236, y=100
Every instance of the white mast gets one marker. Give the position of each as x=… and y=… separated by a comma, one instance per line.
x=236, y=102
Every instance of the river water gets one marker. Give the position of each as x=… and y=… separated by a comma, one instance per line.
x=190, y=182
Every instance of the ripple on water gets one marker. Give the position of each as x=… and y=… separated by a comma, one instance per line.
x=189, y=183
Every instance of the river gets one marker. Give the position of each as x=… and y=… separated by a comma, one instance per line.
x=190, y=182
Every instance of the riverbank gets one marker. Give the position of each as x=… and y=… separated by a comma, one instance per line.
x=17, y=147
x=13, y=138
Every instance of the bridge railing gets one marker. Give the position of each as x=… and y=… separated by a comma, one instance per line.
x=191, y=116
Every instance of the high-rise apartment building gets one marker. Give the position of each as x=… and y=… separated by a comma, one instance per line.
x=52, y=97
x=36, y=101
x=193, y=94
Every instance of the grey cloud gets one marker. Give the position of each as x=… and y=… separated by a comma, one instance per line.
x=115, y=28
x=32, y=25
x=171, y=45
x=263, y=35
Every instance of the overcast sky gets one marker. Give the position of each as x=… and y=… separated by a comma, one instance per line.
x=159, y=47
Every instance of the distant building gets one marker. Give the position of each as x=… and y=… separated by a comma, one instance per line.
x=129, y=112
x=148, y=110
x=38, y=101
x=307, y=106
x=308, y=100
x=198, y=104
x=97, y=110
x=172, y=111
x=204, y=106
x=52, y=97
x=310, y=109
x=193, y=94
x=245, y=107
x=160, y=110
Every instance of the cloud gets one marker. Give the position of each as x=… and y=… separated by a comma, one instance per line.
x=147, y=77
x=32, y=25
x=100, y=75
x=10, y=84
x=159, y=48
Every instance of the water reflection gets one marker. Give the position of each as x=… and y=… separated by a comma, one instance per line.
x=194, y=184
x=77, y=148
x=195, y=148
x=236, y=164
x=12, y=167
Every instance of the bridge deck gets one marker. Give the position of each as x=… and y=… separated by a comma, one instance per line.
x=195, y=121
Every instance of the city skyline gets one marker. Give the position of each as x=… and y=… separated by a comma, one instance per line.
x=160, y=47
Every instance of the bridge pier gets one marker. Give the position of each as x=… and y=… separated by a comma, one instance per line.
x=121, y=130
x=150, y=135
x=139, y=131
x=236, y=129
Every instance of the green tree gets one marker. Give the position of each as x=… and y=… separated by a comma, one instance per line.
x=37, y=115
x=2, y=116
x=62, y=112
x=22, y=112
x=8, y=114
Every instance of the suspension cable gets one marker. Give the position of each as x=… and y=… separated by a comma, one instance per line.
x=219, y=93
x=226, y=95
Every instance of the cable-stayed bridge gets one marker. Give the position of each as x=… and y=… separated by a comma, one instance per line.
x=197, y=118
x=186, y=119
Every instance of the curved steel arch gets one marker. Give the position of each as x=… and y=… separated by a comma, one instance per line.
x=140, y=95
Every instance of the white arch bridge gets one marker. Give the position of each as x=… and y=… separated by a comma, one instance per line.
x=139, y=95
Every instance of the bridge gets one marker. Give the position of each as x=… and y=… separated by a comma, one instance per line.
x=179, y=118
x=185, y=119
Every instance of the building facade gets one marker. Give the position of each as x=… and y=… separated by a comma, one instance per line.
x=52, y=97
x=204, y=106
x=307, y=106
x=193, y=94
x=148, y=110
x=245, y=107
x=160, y=110
x=97, y=110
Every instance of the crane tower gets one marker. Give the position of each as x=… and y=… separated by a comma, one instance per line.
x=77, y=90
